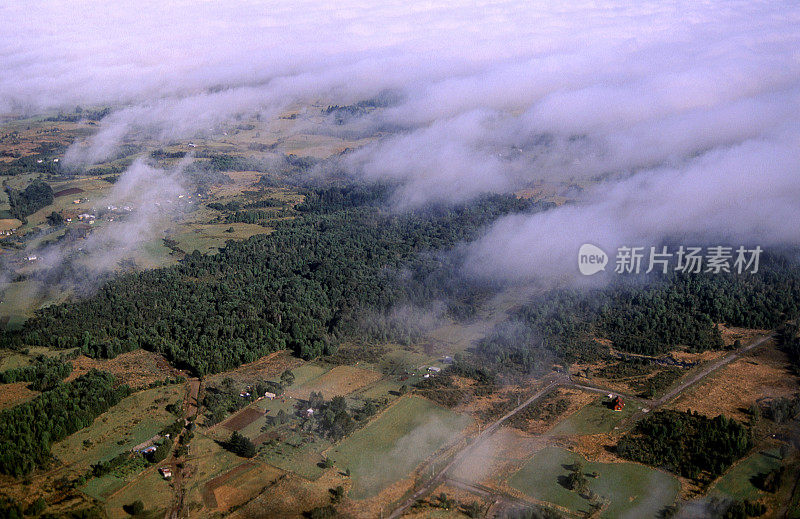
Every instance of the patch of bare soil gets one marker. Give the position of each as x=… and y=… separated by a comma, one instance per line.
x=242, y=419
x=15, y=393
x=267, y=367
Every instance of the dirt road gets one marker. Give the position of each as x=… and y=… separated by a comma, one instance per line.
x=563, y=379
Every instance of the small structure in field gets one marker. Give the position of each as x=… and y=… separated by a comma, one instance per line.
x=166, y=472
x=617, y=404
x=269, y=395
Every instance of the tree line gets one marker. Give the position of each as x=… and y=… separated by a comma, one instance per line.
x=28, y=430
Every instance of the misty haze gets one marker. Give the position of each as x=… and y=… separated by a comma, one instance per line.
x=394, y=259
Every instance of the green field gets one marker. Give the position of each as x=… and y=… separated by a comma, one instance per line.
x=595, y=418
x=737, y=482
x=293, y=455
x=394, y=444
x=634, y=490
x=129, y=423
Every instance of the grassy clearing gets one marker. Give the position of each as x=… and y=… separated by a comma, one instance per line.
x=294, y=455
x=129, y=423
x=633, y=490
x=150, y=487
x=738, y=484
x=341, y=380
x=210, y=237
x=305, y=373
x=595, y=418
x=395, y=443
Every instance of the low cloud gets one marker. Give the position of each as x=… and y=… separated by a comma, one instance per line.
x=676, y=120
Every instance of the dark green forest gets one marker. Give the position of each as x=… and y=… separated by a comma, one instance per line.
x=688, y=444
x=646, y=318
x=36, y=195
x=27, y=430
x=302, y=287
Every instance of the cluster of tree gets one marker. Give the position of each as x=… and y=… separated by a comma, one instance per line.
x=334, y=420
x=548, y=410
x=744, y=509
x=220, y=401
x=302, y=287
x=442, y=389
x=31, y=164
x=344, y=197
x=11, y=509
x=236, y=205
x=240, y=445
x=163, y=154
x=36, y=195
x=266, y=202
x=781, y=410
x=687, y=443
x=55, y=219
x=27, y=430
x=227, y=162
x=653, y=386
x=771, y=480
x=233, y=205
x=42, y=374
x=249, y=216
x=790, y=342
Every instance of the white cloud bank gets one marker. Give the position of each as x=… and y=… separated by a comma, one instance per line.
x=686, y=113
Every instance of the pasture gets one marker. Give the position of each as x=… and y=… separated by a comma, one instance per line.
x=595, y=418
x=632, y=489
x=738, y=481
x=391, y=446
x=341, y=380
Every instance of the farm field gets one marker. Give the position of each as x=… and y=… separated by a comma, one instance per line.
x=737, y=482
x=633, y=490
x=392, y=445
x=157, y=490
x=292, y=454
x=129, y=423
x=238, y=484
x=595, y=418
x=339, y=381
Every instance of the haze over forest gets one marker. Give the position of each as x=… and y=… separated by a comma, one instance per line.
x=681, y=119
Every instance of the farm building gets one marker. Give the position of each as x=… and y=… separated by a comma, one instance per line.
x=269, y=395
x=166, y=472
x=434, y=369
x=617, y=404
